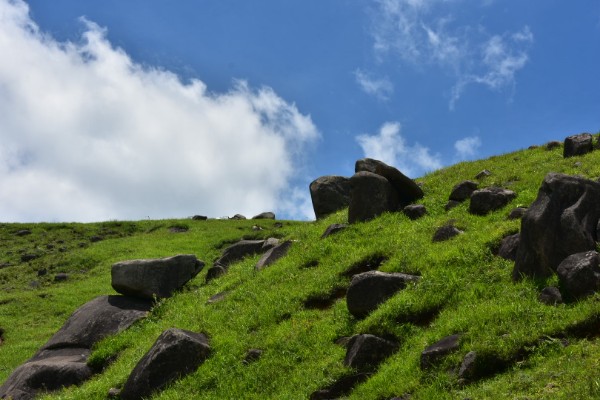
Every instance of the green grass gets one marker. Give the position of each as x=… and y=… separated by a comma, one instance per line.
x=463, y=289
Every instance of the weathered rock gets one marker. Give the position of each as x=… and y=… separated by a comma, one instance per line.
x=517, y=213
x=23, y=232
x=553, y=145
x=252, y=355
x=578, y=145
x=508, y=247
x=61, y=277
x=238, y=251
x=414, y=211
x=432, y=354
x=462, y=191
x=214, y=272
x=265, y=215
x=579, y=274
x=199, y=218
x=371, y=196
x=29, y=257
x=273, y=255
x=550, y=296
x=329, y=194
x=178, y=229
x=150, y=278
x=482, y=174
x=175, y=353
x=365, y=352
x=467, y=368
x=238, y=217
x=369, y=289
x=341, y=387
x=486, y=200
x=408, y=191
x=113, y=393
x=269, y=244
x=333, y=229
x=96, y=238
x=451, y=204
x=446, y=232
x=560, y=222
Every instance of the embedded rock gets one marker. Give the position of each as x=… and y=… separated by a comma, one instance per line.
x=414, y=211
x=273, y=255
x=432, y=354
x=560, y=222
x=482, y=174
x=238, y=251
x=369, y=289
x=451, y=204
x=365, y=352
x=577, y=145
x=446, y=232
x=517, y=213
x=175, y=353
x=371, y=196
x=333, y=229
x=238, y=217
x=579, y=274
x=463, y=190
x=341, y=387
x=329, y=194
x=467, y=367
x=486, y=200
x=265, y=215
x=152, y=278
x=550, y=296
x=199, y=217
x=406, y=189
x=252, y=355
x=214, y=272
x=508, y=247
x=553, y=145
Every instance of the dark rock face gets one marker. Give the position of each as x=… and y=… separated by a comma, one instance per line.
x=175, y=353
x=509, y=246
x=252, y=355
x=517, y=213
x=371, y=196
x=414, y=211
x=446, y=232
x=577, y=145
x=273, y=255
x=238, y=251
x=341, y=387
x=369, y=289
x=432, y=354
x=407, y=190
x=560, y=222
x=329, y=194
x=486, y=200
x=154, y=277
x=467, y=368
x=238, y=217
x=199, y=217
x=462, y=191
x=550, y=296
x=579, y=274
x=265, y=215
x=62, y=360
x=214, y=272
x=451, y=204
x=333, y=229
x=365, y=352
x=482, y=174
x=553, y=145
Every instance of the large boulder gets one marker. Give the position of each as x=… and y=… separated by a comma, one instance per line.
x=486, y=200
x=578, y=145
x=369, y=289
x=463, y=190
x=407, y=190
x=365, y=352
x=560, y=222
x=175, y=353
x=152, y=278
x=372, y=195
x=329, y=194
x=579, y=274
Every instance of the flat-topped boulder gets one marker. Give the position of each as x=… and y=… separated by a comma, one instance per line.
x=407, y=190
x=577, y=145
x=329, y=194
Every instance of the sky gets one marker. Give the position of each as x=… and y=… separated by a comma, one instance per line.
x=152, y=109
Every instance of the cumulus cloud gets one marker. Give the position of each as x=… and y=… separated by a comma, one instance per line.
x=382, y=88
x=425, y=33
x=389, y=146
x=90, y=134
x=467, y=147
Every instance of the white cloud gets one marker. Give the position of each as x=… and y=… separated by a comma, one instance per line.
x=390, y=147
x=89, y=134
x=381, y=88
x=467, y=147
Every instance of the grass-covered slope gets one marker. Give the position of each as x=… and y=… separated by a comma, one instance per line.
x=293, y=311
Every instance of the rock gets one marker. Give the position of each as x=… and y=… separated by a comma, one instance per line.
x=178, y=229
x=152, y=278
x=269, y=244
x=560, y=222
x=113, y=393
x=517, y=213
x=217, y=297
x=371, y=196
x=432, y=354
x=23, y=232
x=482, y=174
x=486, y=200
x=579, y=274
x=369, y=289
x=462, y=191
x=508, y=247
x=265, y=215
x=61, y=277
x=407, y=190
x=365, y=352
x=238, y=217
x=96, y=238
x=414, y=211
x=5, y=265
x=467, y=368
x=252, y=355
x=29, y=257
x=214, y=272
x=446, y=232
x=257, y=228
x=333, y=229
x=578, y=145
x=329, y=194
x=550, y=296
x=341, y=387
x=273, y=255
x=553, y=145
x=533, y=147
x=175, y=353
x=451, y=204
x=238, y=251
x=199, y=218
x=42, y=272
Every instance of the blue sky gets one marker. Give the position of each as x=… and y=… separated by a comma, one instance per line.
x=136, y=109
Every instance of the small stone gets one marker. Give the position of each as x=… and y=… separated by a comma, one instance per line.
x=467, y=367
x=265, y=215
x=553, y=145
x=333, y=229
x=451, y=204
x=550, y=296
x=517, y=213
x=483, y=174
x=414, y=211
x=113, y=393
x=61, y=277
x=214, y=272
x=96, y=238
x=252, y=355
x=436, y=351
x=42, y=272
x=446, y=232
x=199, y=218
x=23, y=232
x=463, y=190
x=365, y=352
x=238, y=217
x=29, y=257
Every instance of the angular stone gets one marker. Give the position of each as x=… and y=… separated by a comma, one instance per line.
x=579, y=274
x=446, y=232
x=577, y=145
x=333, y=229
x=451, y=204
x=407, y=190
x=372, y=195
x=199, y=217
x=467, y=367
x=238, y=251
x=273, y=255
x=414, y=211
x=214, y=272
x=482, y=174
x=486, y=200
x=550, y=296
x=365, y=352
x=509, y=246
x=150, y=278
x=238, y=217
x=341, y=387
x=265, y=215
x=329, y=194
x=517, y=213
x=432, y=354
x=463, y=190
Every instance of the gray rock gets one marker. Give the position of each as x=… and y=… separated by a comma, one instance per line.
x=446, y=232
x=577, y=145
x=555, y=144
x=329, y=194
x=508, y=247
x=214, y=272
x=252, y=355
x=61, y=277
x=432, y=354
x=265, y=215
x=199, y=218
x=150, y=278
x=486, y=200
x=482, y=174
x=341, y=387
x=238, y=251
x=29, y=257
x=372, y=195
x=408, y=191
x=333, y=229
x=517, y=213
x=560, y=222
x=414, y=211
x=23, y=232
x=238, y=217
x=579, y=274
x=463, y=190
x=451, y=204
x=365, y=352
x=467, y=368
x=369, y=289
x=273, y=255
x=175, y=353
x=550, y=296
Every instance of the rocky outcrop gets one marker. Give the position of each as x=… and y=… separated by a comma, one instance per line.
x=579, y=274
x=561, y=221
x=175, y=353
x=152, y=278
x=365, y=352
x=329, y=194
x=371, y=195
x=486, y=200
x=578, y=145
x=551, y=296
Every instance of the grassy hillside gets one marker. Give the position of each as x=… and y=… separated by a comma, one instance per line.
x=295, y=312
